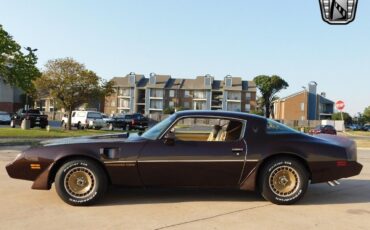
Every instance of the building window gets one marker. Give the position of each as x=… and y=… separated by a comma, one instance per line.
x=234, y=96
x=248, y=96
x=156, y=93
x=233, y=107
x=124, y=103
x=172, y=93
x=171, y=104
x=187, y=93
x=186, y=105
x=208, y=81
x=200, y=105
x=152, y=80
x=199, y=95
x=156, y=104
x=229, y=82
x=302, y=106
x=113, y=103
x=248, y=108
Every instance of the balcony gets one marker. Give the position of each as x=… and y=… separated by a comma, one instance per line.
x=234, y=97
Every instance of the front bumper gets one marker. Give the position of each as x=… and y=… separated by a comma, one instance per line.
x=22, y=168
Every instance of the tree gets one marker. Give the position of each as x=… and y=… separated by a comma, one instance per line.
x=169, y=110
x=367, y=114
x=269, y=87
x=70, y=84
x=346, y=117
x=16, y=68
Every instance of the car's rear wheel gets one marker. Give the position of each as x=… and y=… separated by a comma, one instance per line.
x=80, y=182
x=283, y=181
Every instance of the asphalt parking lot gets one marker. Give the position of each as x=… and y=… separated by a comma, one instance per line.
x=346, y=206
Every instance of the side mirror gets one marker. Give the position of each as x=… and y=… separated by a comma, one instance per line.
x=169, y=138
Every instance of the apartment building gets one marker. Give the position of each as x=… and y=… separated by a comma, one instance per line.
x=304, y=105
x=10, y=97
x=136, y=93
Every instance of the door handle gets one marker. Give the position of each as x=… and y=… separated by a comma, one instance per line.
x=237, y=149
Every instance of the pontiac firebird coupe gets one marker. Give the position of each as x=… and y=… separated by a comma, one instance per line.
x=191, y=149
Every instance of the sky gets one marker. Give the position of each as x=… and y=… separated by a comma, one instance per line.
x=187, y=38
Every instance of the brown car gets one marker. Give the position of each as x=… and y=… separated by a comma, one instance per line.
x=191, y=149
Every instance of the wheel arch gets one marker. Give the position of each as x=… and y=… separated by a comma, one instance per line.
x=279, y=155
x=250, y=183
x=56, y=166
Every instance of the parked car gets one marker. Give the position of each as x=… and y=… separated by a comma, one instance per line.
x=5, y=118
x=36, y=118
x=366, y=127
x=106, y=118
x=354, y=127
x=324, y=129
x=128, y=122
x=85, y=119
x=191, y=149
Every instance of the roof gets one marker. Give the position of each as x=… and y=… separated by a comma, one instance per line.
x=160, y=81
x=291, y=95
x=324, y=100
x=236, y=84
x=174, y=83
x=124, y=81
x=217, y=113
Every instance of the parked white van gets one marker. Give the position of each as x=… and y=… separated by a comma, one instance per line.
x=85, y=119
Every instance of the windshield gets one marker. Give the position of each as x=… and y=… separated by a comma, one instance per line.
x=154, y=132
x=276, y=127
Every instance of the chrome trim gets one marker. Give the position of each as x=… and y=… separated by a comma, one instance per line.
x=164, y=161
x=118, y=162
x=252, y=160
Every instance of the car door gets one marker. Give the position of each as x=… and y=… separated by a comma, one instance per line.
x=196, y=163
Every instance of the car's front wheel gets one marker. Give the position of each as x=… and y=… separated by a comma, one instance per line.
x=283, y=181
x=80, y=182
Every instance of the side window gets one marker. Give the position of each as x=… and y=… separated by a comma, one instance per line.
x=207, y=129
x=73, y=114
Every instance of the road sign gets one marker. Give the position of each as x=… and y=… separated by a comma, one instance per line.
x=339, y=105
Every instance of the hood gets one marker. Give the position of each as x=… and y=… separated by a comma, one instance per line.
x=120, y=137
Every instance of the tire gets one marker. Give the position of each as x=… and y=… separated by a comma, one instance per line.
x=111, y=127
x=80, y=182
x=79, y=125
x=283, y=181
x=12, y=124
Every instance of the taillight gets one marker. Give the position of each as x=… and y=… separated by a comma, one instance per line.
x=133, y=122
x=342, y=163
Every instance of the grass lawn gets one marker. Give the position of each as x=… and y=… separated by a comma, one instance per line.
x=53, y=133
x=359, y=133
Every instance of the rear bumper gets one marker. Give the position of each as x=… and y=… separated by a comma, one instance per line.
x=334, y=172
